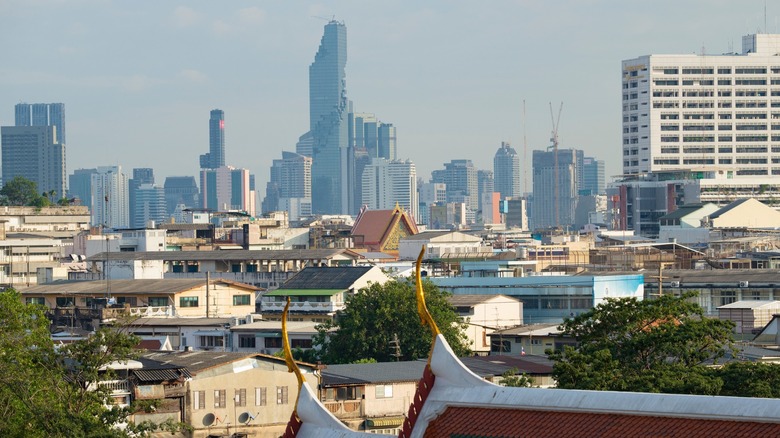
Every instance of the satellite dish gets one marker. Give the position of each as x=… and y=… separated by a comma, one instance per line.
x=244, y=418
x=208, y=419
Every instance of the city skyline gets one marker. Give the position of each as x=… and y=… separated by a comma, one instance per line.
x=463, y=69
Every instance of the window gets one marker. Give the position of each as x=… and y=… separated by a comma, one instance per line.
x=246, y=341
x=198, y=400
x=500, y=346
x=536, y=342
x=132, y=301
x=35, y=300
x=212, y=341
x=219, y=398
x=188, y=302
x=158, y=301
x=65, y=302
x=241, y=300
x=281, y=395
x=384, y=391
x=260, y=394
x=241, y=397
x=347, y=393
x=300, y=343
x=273, y=342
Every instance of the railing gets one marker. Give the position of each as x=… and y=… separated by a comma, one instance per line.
x=301, y=306
x=115, y=386
x=345, y=408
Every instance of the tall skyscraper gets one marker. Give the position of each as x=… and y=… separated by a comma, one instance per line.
x=703, y=112
x=545, y=213
x=328, y=109
x=506, y=171
x=180, y=191
x=147, y=201
x=386, y=141
x=215, y=157
x=80, y=186
x=460, y=176
x=290, y=186
x=42, y=114
x=593, y=177
x=33, y=152
x=110, y=198
x=390, y=182
x=227, y=189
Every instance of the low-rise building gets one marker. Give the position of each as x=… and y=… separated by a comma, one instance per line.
x=749, y=316
x=531, y=339
x=439, y=244
x=484, y=314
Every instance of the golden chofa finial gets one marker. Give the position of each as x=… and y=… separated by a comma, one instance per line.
x=422, y=309
x=288, y=357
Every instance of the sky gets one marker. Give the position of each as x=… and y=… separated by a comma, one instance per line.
x=456, y=78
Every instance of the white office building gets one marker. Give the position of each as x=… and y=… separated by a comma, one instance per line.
x=387, y=183
x=704, y=112
x=110, y=198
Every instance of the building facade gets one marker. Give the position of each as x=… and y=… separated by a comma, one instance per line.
x=460, y=176
x=554, y=202
x=714, y=112
x=226, y=189
x=35, y=153
x=215, y=157
x=506, y=171
x=42, y=114
x=110, y=198
x=389, y=183
x=328, y=109
x=290, y=186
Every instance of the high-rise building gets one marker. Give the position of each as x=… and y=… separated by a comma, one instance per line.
x=704, y=112
x=328, y=109
x=215, y=157
x=80, y=186
x=593, y=177
x=460, y=176
x=290, y=186
x=226, y=189
x=386, y=141
x=429, y=194
x=110, y=198
x=546, y=212
x=180, y=191
x=33, y=152
x=148, y=206
x=506, y=171
x=387, y=183
x=42, y=114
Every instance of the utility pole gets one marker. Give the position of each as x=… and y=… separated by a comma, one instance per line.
x=395, y=346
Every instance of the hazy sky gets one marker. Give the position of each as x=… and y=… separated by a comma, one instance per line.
x=138, y=78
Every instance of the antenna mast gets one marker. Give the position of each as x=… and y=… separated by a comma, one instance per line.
x=556, y=171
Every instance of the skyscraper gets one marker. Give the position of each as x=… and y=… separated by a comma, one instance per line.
x=42, y=114
x=386, y=141
x=226, y=189
x=215, y=157
x=110, y=198
x=390, y=182
x=460, y=176
x=593, y=177
x=689, y=112
x=506, y=171
x=290, y=186
x=328, y=109
x=180, y=191
x=80, y=186
x=545, y=211
x=33, y=152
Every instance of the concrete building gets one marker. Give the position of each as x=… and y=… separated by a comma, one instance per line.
x=484, y=314
x=110, y=198
x=593, y=177
x=80, y=186
x=440, y=244
x=703, y=112
x=387, y=184
x=460, y=178
x=42, y=114
x=289, y=188
x=506, y=171
x=35, y=153
x=180, y=191
x=554, y=202
x=215, y=157
x=227, y=189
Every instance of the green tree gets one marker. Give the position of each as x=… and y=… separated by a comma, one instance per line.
x=512, y=379
x=373, y=317
x=47, y=391
x=750, y=379
x=20, y=191
x=658, y=345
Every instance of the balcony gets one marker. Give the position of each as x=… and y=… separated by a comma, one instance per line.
x=345, y=409
x=301, y=306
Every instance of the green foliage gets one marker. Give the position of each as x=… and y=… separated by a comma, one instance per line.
x=512, y=379
x=651, y=345
x=366, y=328
x=20, y=191
x=47, y=391
x=750, y=379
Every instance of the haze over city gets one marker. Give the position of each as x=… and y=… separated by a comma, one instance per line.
x=140, y=78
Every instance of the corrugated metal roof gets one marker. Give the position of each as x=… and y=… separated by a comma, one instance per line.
x=720, y=277
x=751, y=304
x=150, y=375
x=303, y=292
x=326, y=277
x=128, y=287
x=383, y=372
x=282, y=254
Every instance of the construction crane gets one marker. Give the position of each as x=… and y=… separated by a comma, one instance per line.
x=556, y=183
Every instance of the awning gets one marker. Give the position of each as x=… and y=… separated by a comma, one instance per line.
x=384, y=422
x=210, y=333
x=303, y=292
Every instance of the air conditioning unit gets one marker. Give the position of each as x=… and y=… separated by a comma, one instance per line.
x=744, y=284
x=674, y=283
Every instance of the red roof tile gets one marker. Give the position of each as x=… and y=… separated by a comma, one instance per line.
x=507, y=423
x=374, y=225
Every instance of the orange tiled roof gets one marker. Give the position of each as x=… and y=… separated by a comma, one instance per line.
x=508, y=423
x=375, y=225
